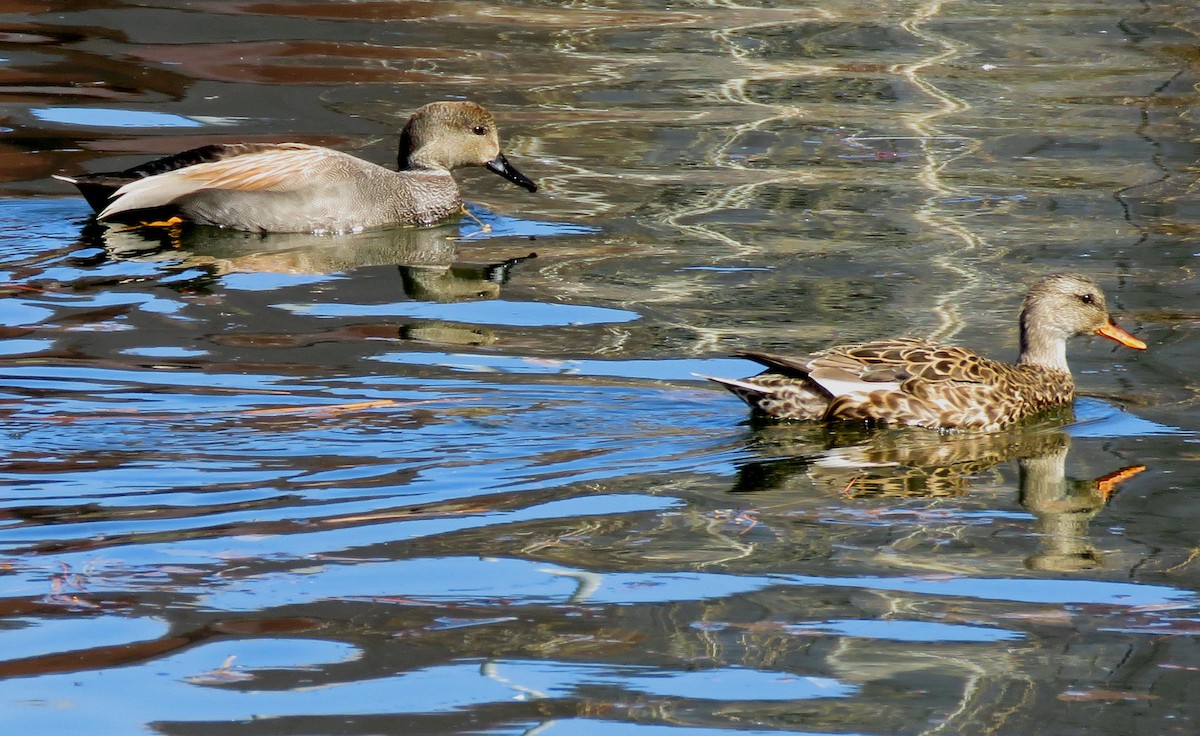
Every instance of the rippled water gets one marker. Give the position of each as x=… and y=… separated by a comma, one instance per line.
x=463, y=480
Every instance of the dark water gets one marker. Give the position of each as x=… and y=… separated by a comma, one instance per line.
x=417, y=482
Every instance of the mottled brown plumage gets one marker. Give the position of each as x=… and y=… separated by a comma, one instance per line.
x=911, y=381
x=293, y=187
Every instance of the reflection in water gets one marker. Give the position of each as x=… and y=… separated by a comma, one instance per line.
x=232, y=251
x=457, y=283
x=453, y=284
x=425, y=261
x=1063, y=507
x=425, y=257
x=863, y=463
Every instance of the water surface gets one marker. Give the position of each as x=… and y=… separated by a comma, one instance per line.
x=463, y=479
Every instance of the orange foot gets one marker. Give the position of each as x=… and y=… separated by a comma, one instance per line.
x=169, y=222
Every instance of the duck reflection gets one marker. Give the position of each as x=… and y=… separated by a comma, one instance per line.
x=1064, y=507
x=867, y=463
x=425, y=257
x=425, y=261
x=456, y=283
x=862, y=463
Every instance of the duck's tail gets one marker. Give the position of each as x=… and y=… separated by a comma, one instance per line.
x=747, y=392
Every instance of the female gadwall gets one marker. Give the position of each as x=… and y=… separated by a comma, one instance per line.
x=292, y=187
x=915, y=382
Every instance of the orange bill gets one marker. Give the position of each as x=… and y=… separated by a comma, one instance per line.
x=1107, y=484
x=1112, y=332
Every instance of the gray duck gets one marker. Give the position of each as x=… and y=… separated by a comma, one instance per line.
x=294, y=187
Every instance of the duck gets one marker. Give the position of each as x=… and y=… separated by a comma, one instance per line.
x=915, y=382
x=295, y=187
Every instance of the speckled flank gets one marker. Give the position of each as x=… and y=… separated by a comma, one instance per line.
x=910, y=381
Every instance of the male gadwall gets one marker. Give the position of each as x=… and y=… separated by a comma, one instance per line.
x=914, y=382
x=293, y=187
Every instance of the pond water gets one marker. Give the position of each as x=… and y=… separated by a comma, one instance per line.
x=463, y=480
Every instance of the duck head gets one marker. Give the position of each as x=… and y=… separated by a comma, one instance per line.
x=451, y=135
x=1061, y=306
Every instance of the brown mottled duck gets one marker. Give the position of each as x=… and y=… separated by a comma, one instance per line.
x=911, y=381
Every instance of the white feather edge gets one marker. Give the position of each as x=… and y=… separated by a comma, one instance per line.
x=295, y=160
x=733, y=382
x=153, y=191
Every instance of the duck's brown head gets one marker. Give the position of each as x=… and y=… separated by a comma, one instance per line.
x=451, y=135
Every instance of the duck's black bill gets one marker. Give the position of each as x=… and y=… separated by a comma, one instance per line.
x=501, y=166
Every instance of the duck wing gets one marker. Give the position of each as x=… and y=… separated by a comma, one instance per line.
x=274, y=167
x=98, y=188
x=846, y=369
x=867, y=366
x=918, y=383
x=794, y=366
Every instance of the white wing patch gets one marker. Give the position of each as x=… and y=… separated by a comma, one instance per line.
x=846, y=386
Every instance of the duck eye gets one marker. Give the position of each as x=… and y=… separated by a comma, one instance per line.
x=1087, y=298
x=479, y=130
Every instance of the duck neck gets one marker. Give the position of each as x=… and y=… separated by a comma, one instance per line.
x=419, y=158
x=1042, y=347
x=416, y=162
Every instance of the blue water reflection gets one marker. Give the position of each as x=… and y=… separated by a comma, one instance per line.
x=496, y=312
x=914, y=631
x=472, y=579
x=669, y=369
x=189, y=687
x=590, y=727
x=1095, y=418
x=504, y=226
x=113, y=118
x=33, y=637
x=725, y=683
